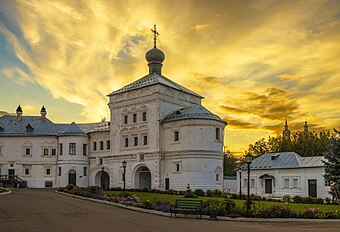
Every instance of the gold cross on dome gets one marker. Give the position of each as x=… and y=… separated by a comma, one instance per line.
x=155, y=34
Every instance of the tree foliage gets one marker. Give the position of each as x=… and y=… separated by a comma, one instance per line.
x=230, y=163
x=303, y=143
x=332, y=162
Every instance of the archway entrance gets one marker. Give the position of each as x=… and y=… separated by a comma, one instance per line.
x=102, y=179
x=143, y=178
x=72, y=177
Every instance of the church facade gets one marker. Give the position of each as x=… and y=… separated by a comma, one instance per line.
x=158, y=128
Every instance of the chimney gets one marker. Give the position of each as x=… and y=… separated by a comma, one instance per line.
x=43, y=113
x=19, y=114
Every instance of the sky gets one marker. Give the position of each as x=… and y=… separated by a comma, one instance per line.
x=255, y=62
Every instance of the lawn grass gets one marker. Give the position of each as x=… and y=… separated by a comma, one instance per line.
x=153, y=197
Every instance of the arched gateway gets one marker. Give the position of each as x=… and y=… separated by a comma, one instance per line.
x=102, y=179
x=143, y=178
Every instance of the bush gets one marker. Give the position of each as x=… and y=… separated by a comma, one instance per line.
x=312, y=213
x=217, y=193
x=275, y=211
x=328, y=200
x=199, y=192
x=318, y=201
x=145, y=190
x=287, y=198
x=163, y=206
x=307, y=200
x=209, y=193
x=297, y=199
x=147, y=205
x=224, y=207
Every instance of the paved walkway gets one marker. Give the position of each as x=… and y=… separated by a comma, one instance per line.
x=44, y=210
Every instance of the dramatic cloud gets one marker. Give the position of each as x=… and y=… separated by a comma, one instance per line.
x=255, y=62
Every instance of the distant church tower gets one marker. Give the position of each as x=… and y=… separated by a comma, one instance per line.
x=286, y=131
x=305, y=127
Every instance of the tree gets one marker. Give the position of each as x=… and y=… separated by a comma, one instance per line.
x=332, y=162
x=230, y=163
x=304, y=143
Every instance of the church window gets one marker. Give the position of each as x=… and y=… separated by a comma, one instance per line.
x=135, y=141
x=134, y=118
x=245, y=182
x=84, y=149
x=286, y=183
x=177, y=167
x=125, y=119
x=145, y=140
x=45, y=151
x=85, y=171
x=94, y=146
x=176, y=135
x=28, y=151
x=59, y=171
x=295, y=183
x=218, y=134
x=126, y=142
x=48, y=184
x=72, y=148
x=252, y=183
x=144, y=116
x=100, y=161
x=108, y=145
x=27, y=171
x=60, y=149
x=217, y=177
x=54, y=151
x=101, y=145
x=48, y=171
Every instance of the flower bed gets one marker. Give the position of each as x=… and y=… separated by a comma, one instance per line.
x=223, y=206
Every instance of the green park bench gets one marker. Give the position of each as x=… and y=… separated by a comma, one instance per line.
x=187, y=206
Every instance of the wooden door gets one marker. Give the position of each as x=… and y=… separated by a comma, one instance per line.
x=268, y=187
x=312, y=188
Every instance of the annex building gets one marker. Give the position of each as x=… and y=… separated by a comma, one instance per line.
x=158, y=127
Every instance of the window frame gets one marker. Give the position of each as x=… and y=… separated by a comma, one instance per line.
x=176, y=136
x=72, y=148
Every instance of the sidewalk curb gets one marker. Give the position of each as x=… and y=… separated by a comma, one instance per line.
x=6, y=193
x=220, y=218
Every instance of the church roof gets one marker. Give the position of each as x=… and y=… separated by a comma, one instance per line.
x=12, y=127
x=192, y=112
x=284, y=160
x=153, y=79
x=72, y=129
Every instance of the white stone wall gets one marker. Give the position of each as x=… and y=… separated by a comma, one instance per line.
x=279, y=188
x=75, y=162
x=13, y=153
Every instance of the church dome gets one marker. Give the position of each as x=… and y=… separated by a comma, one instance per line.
x=155, y=55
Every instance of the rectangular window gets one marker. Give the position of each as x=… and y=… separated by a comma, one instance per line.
x=286, y=183
x=135, y=141
x=101, y=161
x=176, y=136
x=54, y=151
x=145, y=140
x=45, y=151
x=48, y=184
x=48, y=171
x=108, y=145
x=94, y=146
x=245, y=182
x=27, y=171
x=134, y=118
x=85, y=171
x=217, y=136
x=126, y=142
x=101, y=145
x=217, y=177
x=28, y=151
x=125, y=119
x=84, y=149
x=177, y=167
x=60, y=149
x=72, y=148
x=59, y=171
x=144, y=117
x=252, y=183
x=295, y=183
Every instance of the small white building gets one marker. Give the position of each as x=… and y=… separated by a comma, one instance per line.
x=278, y=174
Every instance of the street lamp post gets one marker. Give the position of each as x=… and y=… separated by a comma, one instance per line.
x=102, y=178
x=124, y=167
x=240, y=174
x=248, y=159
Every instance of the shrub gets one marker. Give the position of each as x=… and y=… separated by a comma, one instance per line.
x=312, y=213
x=318, y=201
x=287, y=198
x=217, y=193
x=307, y=200
x=297, y=199
x=275, y=211
x=145, y=190
x=163, y=206
x=199, y=192
x=147, y=205
x=328, y=200
x=169, y=191
x=224, y=207
x=209, y=193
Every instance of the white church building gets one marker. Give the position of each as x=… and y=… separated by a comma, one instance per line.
x=158, y=127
